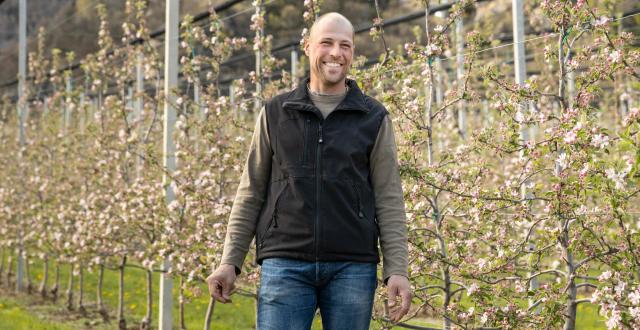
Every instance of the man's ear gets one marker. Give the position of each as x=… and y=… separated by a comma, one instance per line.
x=306, y=46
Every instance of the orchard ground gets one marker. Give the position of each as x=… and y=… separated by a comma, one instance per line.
x=22, y=311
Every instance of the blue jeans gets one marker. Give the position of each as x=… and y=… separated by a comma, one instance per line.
x=291, y=290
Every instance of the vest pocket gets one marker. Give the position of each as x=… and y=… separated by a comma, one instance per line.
x=273, y=222
x=359, y=209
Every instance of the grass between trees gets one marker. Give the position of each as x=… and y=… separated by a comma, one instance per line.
x=23, y=311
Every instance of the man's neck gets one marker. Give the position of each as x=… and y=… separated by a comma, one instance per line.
x=316, y=87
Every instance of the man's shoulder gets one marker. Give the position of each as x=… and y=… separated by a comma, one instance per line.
x=374, y=105
x=279, y=99
x=369, y=101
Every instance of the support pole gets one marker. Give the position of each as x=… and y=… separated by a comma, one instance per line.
x=66, y=117
x=232, y=100
x=571, y=86
x=462, y=114
x=438, y=72
x=130, y=105
x=486, y=117
x=199, y=114
x=22, y=103
x=520, y=68
x=294, y=68
x=520, y=77
x=138, y=108
x=169, y=159
x=82, y=113
x=258, y=54
x=45, y=111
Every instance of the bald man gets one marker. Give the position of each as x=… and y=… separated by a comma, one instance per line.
x=319, y=189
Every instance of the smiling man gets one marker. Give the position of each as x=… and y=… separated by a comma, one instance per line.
x=319, y=190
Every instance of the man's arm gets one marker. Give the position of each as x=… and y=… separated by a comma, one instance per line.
x=391, y=216
x=250, y=196
x=387, y=187
x=248, y=202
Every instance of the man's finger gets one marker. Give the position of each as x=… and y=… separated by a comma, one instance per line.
x=217, y=291
x=406, y=302
x=392, y=293
x=226, y=290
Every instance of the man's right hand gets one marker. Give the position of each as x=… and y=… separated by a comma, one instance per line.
x=221, y=283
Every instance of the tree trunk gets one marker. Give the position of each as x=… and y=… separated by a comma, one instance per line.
x=571, y=306
x=9, y=270
x=2, y=267
x=81, y=308
x=45, y=277
x=27, y=273
x=100, y=303
x=70, y=289
x=209, y=316
x=146, y=322
x=56, y=283
x=122, y=323
x=181, y=304
x=447, y=298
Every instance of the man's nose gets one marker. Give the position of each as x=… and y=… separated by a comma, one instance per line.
x=335, y=51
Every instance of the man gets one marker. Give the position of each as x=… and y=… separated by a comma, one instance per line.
x=320, y=186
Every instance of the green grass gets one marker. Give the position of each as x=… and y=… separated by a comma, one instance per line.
x=14, y=316
x=31, y=312
x=238, y=315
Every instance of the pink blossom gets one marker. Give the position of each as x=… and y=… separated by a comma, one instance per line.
x=634, y=297
x=614, y=320
x=600, y=141
x=616, y=177
x=615, y=56
x=605, y=276
x=570, y=137
x=602, y=21
x=473, y=288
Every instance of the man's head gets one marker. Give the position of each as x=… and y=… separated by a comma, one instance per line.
x=330, y=50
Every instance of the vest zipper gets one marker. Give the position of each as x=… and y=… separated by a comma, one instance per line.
x=274, y=216
x=316, y=224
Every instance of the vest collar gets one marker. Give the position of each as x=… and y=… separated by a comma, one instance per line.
x=354, y=100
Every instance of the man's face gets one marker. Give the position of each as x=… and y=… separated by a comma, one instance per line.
x=330, y=51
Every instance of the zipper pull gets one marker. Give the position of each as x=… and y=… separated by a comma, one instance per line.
x=275, y=218
x=320, y=133
x=360, y=214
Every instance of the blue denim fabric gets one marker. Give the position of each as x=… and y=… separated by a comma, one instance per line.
x=291, y=290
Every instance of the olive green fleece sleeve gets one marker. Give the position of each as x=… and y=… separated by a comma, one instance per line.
x=387, y=187
x=251, y=194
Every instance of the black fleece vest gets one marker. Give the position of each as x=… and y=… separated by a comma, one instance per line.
x=320, y=204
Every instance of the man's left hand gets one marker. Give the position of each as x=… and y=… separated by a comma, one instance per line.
x=398, y=286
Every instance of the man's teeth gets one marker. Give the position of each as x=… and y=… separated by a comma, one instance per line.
x=335, y=65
